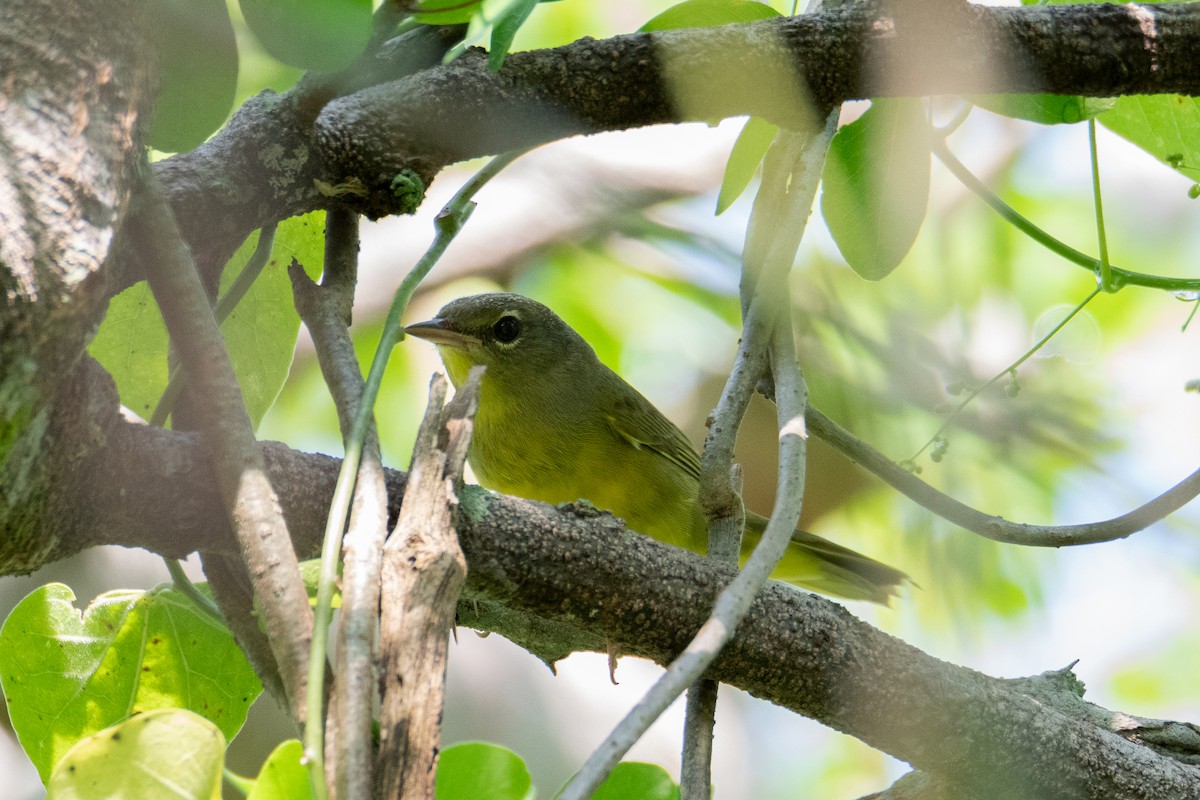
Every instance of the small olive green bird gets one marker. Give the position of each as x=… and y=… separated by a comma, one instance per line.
x=556, y=425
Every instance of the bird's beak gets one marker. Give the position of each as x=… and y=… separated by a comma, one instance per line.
x=439, y=332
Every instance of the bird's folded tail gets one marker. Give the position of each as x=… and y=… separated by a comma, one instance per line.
x=819, y=565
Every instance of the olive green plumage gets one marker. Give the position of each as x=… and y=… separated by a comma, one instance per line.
x=556, y=425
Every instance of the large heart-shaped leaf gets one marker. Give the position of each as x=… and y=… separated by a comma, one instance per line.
x=67, y=674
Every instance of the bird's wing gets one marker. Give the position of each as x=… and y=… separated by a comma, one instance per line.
x=637, y=421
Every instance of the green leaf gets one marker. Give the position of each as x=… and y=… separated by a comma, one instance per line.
x=457, y=12
x=506, y=29
x=165, y=753
x=876, y=185
x=67, y=675
x=499, y=19
x=283, y=777
x=632, y=779
x=132, y=345
x=744, y=158
x=757, y=134
x=1045, y=109
x=261, y=331
x=1165, y=126
x=321, y=35
x=482, y=771
x=707, y=13
x=199, y=68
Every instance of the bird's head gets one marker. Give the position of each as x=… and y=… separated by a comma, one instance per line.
x=519, y=340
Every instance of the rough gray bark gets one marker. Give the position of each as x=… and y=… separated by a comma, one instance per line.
x=559, y=580
x=858, y=51
x=262, y=167
x=72, y=89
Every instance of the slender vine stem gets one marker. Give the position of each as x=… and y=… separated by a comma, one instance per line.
x=956, y=122
x=1106, y=277
x=1011, y=369
x=1105, y=280
x=1191, y=315
x=1120, y=277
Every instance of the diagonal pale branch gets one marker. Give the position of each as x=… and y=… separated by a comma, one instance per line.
x=248, y=496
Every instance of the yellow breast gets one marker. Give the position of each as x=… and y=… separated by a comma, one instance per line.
x=538, y=454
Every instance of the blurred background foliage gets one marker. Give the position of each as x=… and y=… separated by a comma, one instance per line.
x=617, y=234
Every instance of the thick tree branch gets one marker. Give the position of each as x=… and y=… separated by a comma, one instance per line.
x=995, y=738
x=73, y=89
x=463, y=110
x=779, y=69
x=560, y=579
x=265, y=165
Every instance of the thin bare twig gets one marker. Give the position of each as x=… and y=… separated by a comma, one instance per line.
x=791, y=172
x=731, y=605
x=699, y=725
x=700, y=714
x=234, y=597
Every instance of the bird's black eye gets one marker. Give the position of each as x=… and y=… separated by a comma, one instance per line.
x=507, y=329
